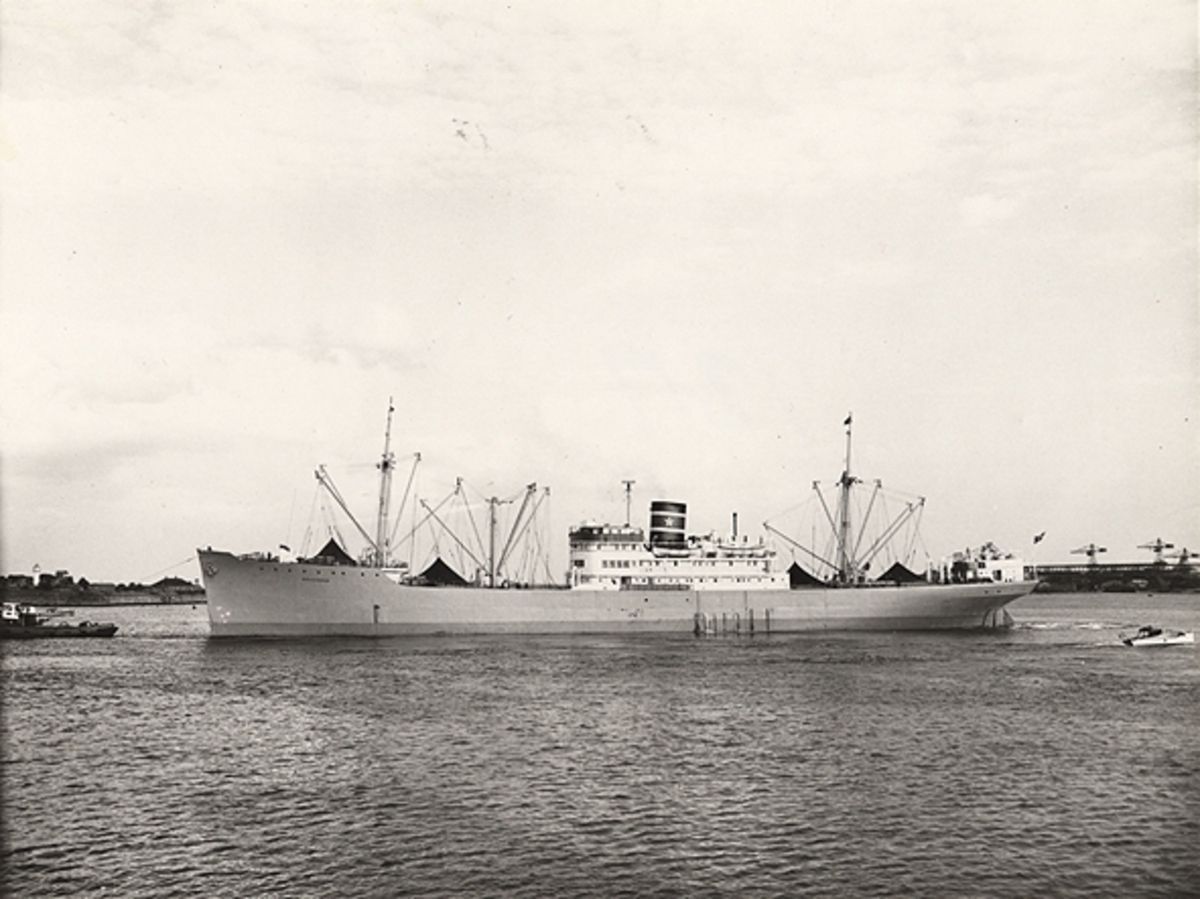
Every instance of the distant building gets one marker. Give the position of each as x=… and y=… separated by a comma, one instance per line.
x=176, y=586
x=60, y=578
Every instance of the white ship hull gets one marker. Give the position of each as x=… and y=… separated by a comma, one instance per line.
x=250, y=597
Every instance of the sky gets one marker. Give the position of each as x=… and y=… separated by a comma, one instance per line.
x=579, y=243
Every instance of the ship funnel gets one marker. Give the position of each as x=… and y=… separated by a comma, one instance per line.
x=667, y=524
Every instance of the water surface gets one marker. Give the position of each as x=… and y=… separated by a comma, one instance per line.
x=1045, y=760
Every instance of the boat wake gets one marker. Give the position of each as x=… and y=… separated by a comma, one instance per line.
x=1069, y=625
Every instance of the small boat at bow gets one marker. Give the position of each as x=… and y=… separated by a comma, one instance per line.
x=22, y=622
x=1148, y=635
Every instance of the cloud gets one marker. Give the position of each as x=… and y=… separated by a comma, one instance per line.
x=695, y=235
x=983, y=210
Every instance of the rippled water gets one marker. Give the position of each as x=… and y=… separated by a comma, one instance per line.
x=1043, y=761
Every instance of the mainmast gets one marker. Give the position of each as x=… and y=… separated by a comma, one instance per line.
x=492, y=503
x=845, y=560
x=386, y=464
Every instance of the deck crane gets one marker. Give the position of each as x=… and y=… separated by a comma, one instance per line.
x=1091, y=550
x=1157, y=548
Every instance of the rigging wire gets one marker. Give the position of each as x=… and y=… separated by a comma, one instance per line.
x=880, y=530
x=412, y=474
x=429, y=531
x=158, y=574
x=306, y=540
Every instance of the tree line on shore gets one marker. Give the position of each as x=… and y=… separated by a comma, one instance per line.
x=61, y=584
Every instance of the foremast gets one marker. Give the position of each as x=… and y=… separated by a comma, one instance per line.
x=490, y=559
x=387, y=464
x=376, y=554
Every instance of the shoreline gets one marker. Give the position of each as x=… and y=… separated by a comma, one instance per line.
x=53, y=599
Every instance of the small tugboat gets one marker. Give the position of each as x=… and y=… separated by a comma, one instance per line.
x=21, y=622
x=1148, y=635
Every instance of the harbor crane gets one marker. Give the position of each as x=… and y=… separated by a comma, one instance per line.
x=1091, y=550
x=1183, y=556
x=1157, y=548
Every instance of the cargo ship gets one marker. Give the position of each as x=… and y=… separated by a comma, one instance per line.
x=620, y=580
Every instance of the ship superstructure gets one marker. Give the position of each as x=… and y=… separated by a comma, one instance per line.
x=618, y=557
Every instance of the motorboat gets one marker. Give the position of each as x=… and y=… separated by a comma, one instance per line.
x=1149, y=635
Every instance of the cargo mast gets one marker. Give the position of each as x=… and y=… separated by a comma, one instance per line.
x=386, y=464
x=845, y=560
